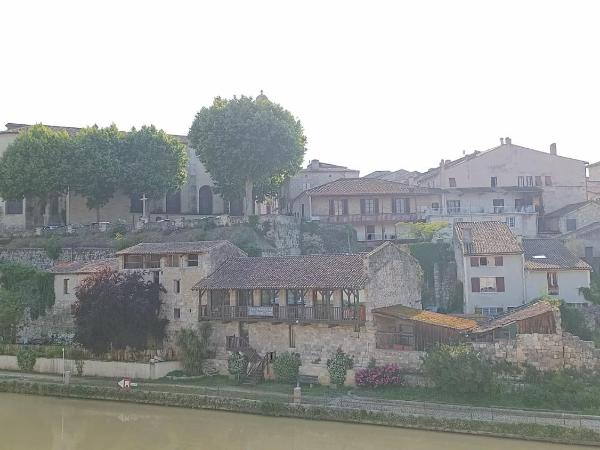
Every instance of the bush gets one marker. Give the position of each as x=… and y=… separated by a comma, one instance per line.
x=237, y=365
x=457, y=368
x=195, y=348
x=26, y=359
x=253, y=221
x=374, y=377
x=573, y=321
x=337, y=366
x=53, y=248
x=286, y=367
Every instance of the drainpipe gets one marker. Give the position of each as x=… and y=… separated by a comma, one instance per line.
x=310, y=207
x=466, y=283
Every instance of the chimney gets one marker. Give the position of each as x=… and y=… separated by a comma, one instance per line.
x=314, y=164
x=508, y=141
x=467, y=236
x=501, y=141
x=553, y=148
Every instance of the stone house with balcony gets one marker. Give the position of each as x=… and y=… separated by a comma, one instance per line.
x=500, y=272
x=371, y=206
x=178, y=266
x=309, y=305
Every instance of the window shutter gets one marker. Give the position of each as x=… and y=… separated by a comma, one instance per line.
x=394, y=210
x=475, y=285
x=345, y=207
x=499, y=284
x=376, y=205
x=362, y=206
x=331, y=208
x=474, y=261
x=498, y=261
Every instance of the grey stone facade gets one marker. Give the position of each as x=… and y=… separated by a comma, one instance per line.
x=38, y=257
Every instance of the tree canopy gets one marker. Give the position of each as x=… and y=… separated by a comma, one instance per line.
x=116, y=310
x=247, y=146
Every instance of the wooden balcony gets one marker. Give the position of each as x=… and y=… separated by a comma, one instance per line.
x=394, y=341
x=334, y=315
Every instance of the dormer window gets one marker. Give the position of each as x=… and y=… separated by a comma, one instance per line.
x=192, y=260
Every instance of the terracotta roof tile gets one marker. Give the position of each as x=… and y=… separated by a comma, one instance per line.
x=545, y=254
x=84, y=266
x=487, y=238
x=367, y=186
x=164, y=248
x=429, y=317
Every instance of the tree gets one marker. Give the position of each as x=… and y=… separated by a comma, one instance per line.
x=36, y=165
x=153, y=163
x=247, y=146
x=34, y=288
x=116, y=310
x=11, y=315
x=96, y=169
x=195, y=348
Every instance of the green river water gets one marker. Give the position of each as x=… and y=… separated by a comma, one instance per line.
x=45, y=423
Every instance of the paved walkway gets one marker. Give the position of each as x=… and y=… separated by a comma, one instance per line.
x=350, y=401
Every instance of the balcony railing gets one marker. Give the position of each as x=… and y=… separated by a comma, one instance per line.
x=394, y=341
x=371, y=218
x=286, y=313
x=235, y=343
x=458, y=211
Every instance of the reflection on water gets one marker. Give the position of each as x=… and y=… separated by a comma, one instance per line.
x=43, y=423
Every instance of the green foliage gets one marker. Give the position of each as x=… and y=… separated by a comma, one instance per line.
x=338, y=365
x=253, y=221
x=36, y=164
x=424, y=231
x=237, y=365
x=428, y=254
x=195, y=348
x=458, y=368
x=247, y=146
x=573, y=321
x=456, y=300
x=286, y=367
x=34, y=288
x=11, y=314
x=117, y=310
x=592, y=294
x=152, y=162
x=53, y=248
x=26, y=359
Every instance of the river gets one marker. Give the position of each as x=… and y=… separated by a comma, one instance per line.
x=45, y=423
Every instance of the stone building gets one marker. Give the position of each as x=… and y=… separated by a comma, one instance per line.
x=309, y=305
x=572, y=217
x=585, y=243
x=178, y=266
x=371, y=206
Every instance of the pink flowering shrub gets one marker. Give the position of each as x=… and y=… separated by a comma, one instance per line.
x=374, y=377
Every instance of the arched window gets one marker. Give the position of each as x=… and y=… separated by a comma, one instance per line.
x=205, y=200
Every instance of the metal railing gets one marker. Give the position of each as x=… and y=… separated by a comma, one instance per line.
x=466, y=211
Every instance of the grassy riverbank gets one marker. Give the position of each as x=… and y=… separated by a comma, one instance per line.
x=539, y=432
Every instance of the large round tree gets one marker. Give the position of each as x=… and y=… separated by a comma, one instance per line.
x=248, y=146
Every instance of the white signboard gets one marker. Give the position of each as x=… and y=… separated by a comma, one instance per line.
x=260, y=311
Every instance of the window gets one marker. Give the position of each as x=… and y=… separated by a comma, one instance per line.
x=369, y=206
x=483, y=261
x=498, y=204
x=14, y=206
x=510, y=221
x=156, y=277
x=453, y=206
x=172, y=261
x=294, y=296
x=177, y=286
x=66, y=286
x=133, y=262
x=487, y=284
x=192, y=260
x=529, y=180
x=244, y=297
x=521, y=181
x=571, y=224
x=452, y=182
x=338, y=207
x=489, y=311
x=176, y=313
x=548, y=180
x=552, y=279
x=370, y=232
x=435, y=206
x=474, y=261
x=523, y=205
x=589, y=253
x=538, y=180
x=498, y=261
x=401, y=205
x=269, y=297
x=494, y=181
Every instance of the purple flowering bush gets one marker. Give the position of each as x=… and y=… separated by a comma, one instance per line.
x=374, y=377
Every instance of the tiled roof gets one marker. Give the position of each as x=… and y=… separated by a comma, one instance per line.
x=366, y=186
x=556, y=256
x=569, y=208
x=487, y=238
x=84, y=266
x=429, y=317
x=525, y=312
x=292, y=272
x=591, y=227
x=165, y=248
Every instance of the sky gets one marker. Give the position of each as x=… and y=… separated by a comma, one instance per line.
x=378, y=85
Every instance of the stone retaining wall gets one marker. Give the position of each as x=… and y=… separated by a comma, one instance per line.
x=38, y=257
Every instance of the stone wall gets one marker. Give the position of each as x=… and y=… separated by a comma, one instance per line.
x=38, y=257
x=444, y=283
x=546, y=352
